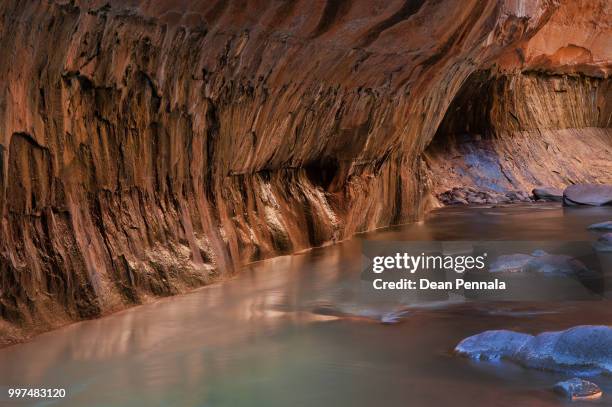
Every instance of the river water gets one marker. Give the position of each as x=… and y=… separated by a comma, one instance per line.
x=268, y=338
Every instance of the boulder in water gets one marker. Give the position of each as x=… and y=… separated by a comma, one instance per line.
x=540, y=262
x=583, y=349
x=510, y=263
x=604, y=243
x=557, y=264
x=606, y=238
x=548, y=194
x=493, y=345
x=578, y=389
x=588, y=194
x=601, y=226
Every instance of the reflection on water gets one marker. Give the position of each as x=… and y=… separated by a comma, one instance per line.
x=266, y=338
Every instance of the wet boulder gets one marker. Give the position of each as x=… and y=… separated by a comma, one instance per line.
x=604, y=243
x=578, y=389
x=548, y=194
x=510, y=263
x=493, y=345
x=540, y=262
x=606, y=239
x=556, y=264
x=601, y=226
x=588, y=194
x=585, y=349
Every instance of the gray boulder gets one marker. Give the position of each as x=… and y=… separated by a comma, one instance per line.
x=548, y=194
x=604, y=243
x=557, y=264
x=493, y=345
x=578, y=389
x=601, y=226
x=540, y=262
x=606, y=238
x=583, y=349
x=510, y=263
x=588, y=194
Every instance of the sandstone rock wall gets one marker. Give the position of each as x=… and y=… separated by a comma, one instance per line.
x=514, y=132
x=541, y=113
x=147, y=148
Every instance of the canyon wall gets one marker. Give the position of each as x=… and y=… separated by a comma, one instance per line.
x=516, y=132
x=150, y=147
x=539, y=115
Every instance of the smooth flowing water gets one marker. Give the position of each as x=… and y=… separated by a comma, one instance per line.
x=264, y=338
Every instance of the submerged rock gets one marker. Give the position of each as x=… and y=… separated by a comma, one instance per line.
x=556, y=264
x=539, y=262
x=395, y=317
x=510, y=263
x=607, y=238
x=548, y=194
x=583, y=349
x=588, y=194
x=539, y=253
x=604, y=243
x=578, y=389
x=601, y=226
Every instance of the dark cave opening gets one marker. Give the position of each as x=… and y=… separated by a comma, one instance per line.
x=462, y=155
x=468, y=117
x=504, y=135
x=322, y=173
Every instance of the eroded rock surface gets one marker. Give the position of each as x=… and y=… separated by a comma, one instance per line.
x=147, y=148
x=516, y=132
x=540, y=116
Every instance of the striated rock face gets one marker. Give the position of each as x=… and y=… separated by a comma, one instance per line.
x=522, y=131
x=540, y=115
x=147, y=148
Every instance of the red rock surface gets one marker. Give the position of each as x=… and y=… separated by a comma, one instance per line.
x=522, y=131
x=149, y=147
